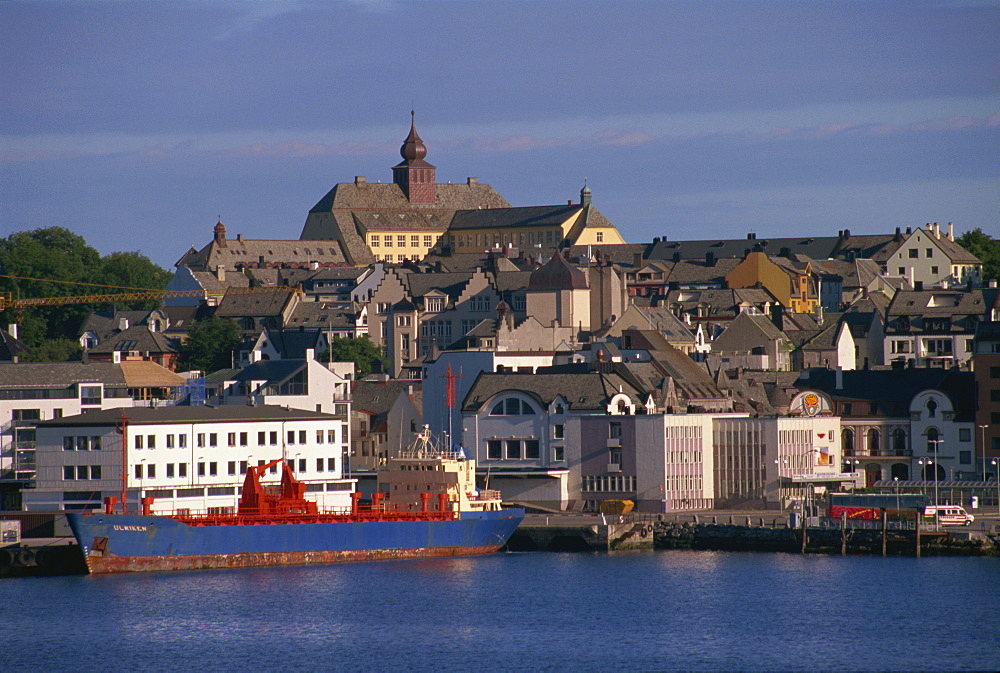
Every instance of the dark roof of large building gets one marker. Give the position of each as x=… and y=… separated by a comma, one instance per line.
x=137, y=338
x=273, y=371
x=583, y=390
x=226, y=413
x=814, y=248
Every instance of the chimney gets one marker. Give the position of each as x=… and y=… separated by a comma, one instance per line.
x=472, y=181
x=12, y=329
x=909, y=231
x=937, y=230
x=840, y=378
x=847, y=233
x=122, y=324
x=951, y=231
x=677, y=256
x=310, y=354
x=637, y=260
x=359, y=180
x=709, y=258
x=220, y=273
x=751, y=237
x=898, y=235
x=313, y=265
x=239, y=237
x=992, y=284
x=918, y=285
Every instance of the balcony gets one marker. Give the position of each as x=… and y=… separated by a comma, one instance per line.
x=614, y=442
x=614, y=467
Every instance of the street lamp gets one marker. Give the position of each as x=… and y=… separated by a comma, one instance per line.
x=923, y=470
x=896, y=479
x=982, y=447
x=994, y=464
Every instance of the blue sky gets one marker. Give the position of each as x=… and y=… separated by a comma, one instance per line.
x=137, y=124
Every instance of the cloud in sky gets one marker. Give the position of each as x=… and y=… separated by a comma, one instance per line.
x=256, y=108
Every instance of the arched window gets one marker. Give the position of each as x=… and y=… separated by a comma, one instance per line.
x=932, y=440
x=899, y=442
x=848, y=439
x=874, y=442
x=931, y=408
x=512, y=406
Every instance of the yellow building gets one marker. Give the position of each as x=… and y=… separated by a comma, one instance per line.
x=474, y=231
x=794, y=288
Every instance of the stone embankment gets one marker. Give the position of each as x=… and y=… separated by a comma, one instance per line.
x=781, y=537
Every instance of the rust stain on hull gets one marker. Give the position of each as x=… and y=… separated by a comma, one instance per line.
x=125, y=564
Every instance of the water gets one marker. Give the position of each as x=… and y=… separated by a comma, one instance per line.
x=660, y=610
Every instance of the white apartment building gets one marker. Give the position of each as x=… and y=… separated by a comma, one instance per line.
x=187, y=458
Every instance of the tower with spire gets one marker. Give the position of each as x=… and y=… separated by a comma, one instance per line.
x=415, y=176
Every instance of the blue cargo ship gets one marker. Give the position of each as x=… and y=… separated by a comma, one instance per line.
x=277, y=525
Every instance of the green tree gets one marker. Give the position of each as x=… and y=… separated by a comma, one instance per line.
x=55, y=262
x=53, y=254
x=210, y=344
x=55, y=350
x=986, y=248
x=362, y=352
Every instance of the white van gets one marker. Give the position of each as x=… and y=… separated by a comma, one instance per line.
x=949, y=515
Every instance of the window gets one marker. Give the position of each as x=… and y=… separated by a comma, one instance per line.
x=182, y=470
x=558, y=431
x=319, y=436
x=69, y=446
x=151, y=471
x=388, y=241
x=95, y=443
x=243, y=439
x=934, y=271
x=375, y=241
x=138, y=471
x=319, y=465
x=600, y=237
x=531, y=449
x=615, y=430
x=201, y=440
x=170, y=441
x=414, y=241
x=138, y=441
x=90, y=394
x=302, y=464
x=401, y=241
x=291, y=436
x=427, y=242
x=558, y=453
x=493, y=449
x=930, y=252
x=965, y=434
x=913, y=253
x=232, y=468
x=201, y=469
x=95, y=471
x=232, y=439
x=170, y=470
x=213, y=439
x=965, y=457
x=302, y=436
x=331, y=464
x=513, y=449
x=69, y=472
x=902, y=271
x=213, y=469
x=331, y=436
x=151, y=441
x=274, y=438
x=512, y=406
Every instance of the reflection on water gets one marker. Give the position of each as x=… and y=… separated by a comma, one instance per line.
x=523, y=611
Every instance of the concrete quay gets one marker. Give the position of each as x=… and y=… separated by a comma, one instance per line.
x=581, y=532
x=744, y=531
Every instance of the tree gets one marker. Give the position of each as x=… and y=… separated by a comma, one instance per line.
x=986, y=248
x=53, y=254
x=362, y=352
x=210, y=344
x=55, y=262
x=55, y=350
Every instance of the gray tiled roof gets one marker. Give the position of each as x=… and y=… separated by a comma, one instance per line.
x=137, y=338
x=584, y=391
x=814, y=248
x=226, y=413
x=58, y=375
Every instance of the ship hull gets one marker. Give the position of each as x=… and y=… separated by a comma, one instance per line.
x=114, y=543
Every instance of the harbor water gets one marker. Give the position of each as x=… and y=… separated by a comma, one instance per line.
x=662, y=610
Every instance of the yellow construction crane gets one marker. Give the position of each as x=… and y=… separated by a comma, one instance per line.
x=134, y=294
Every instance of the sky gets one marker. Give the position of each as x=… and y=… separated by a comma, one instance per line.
x=139, y=124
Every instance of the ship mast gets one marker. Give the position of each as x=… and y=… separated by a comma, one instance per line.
x=123, y=431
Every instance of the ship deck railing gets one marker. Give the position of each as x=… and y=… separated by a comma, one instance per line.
x=331, y=515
